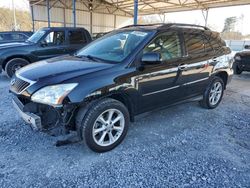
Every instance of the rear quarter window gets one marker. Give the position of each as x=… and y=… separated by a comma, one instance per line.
x=76, y=37
x=215, y=41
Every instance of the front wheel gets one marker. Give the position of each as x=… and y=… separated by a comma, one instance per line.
x=104, y=125
x=15, y=64
x=213, y=94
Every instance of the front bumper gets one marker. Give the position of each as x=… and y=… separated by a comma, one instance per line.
x=30, y=118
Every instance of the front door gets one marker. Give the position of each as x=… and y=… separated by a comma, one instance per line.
x=53, y=45
x=159, y=84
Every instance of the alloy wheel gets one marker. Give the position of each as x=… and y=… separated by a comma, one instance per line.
x=108, y=127
x=215, y=93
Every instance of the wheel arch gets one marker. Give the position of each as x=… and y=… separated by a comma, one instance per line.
x=124, y=99
x=224, y=76
x=121, y=97
x=13, y=57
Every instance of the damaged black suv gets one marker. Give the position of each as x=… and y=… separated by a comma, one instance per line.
x=99, y=90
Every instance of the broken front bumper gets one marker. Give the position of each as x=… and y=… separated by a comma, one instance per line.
x=30, y=118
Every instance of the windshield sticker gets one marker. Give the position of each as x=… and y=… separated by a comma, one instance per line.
x=139, y=33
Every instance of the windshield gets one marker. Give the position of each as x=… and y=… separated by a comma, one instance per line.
x=115, y=47
x=36, y=36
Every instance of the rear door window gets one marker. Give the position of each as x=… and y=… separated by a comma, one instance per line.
x=195, y=44
x=76, y=37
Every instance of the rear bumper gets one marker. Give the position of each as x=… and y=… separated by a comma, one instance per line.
x=30, y=118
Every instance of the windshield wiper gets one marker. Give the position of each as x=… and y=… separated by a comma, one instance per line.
x=89, y=57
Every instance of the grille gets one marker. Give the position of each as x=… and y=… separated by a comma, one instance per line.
x=18, y=85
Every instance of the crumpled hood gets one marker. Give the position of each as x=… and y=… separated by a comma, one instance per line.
x=60, y=68
x=13, y=44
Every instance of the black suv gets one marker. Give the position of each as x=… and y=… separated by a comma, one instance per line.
x=14, y=36
x=132, y=70
x=242, y=60
x=44, y=44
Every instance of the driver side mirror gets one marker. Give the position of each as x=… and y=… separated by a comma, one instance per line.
x=151, y=58
x=247, y=47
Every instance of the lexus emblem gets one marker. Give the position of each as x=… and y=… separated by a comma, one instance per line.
x=13, y=81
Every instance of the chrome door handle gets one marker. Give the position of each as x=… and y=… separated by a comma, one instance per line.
x=182, y=67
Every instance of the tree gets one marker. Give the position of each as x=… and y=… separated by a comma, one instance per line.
x=229, y=24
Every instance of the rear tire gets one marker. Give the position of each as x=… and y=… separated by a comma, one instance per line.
x=104, y=125
x=213, y=93
x=13, y=65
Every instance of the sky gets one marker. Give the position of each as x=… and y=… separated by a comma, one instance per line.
x=216, y=16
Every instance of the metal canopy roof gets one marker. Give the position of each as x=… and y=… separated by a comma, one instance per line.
x=146, y=7
x=165, y=6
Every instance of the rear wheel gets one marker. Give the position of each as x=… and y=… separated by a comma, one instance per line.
x=213, y=94
x=13, y=65
x=104, y=125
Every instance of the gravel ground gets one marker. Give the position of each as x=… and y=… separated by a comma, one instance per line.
x=182, y=146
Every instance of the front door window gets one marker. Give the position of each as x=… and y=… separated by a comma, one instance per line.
x=167, y=45
x=55, y=38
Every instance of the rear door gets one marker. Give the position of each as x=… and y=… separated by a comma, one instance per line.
x=52, y=45
x=159, y=84
x=76, y=40
x=195, y=70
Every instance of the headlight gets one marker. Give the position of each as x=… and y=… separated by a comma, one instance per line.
x=53, y=95
x=237, y=58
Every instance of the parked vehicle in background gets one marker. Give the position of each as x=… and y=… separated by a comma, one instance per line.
x=242, y=60
x=236, y=46
x=98, y=35
x=14, y=36
x=45, y=43
x=136, y=69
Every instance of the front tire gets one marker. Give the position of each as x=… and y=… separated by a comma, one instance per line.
x=213, y=93
x=104, y=125
x=13, y=65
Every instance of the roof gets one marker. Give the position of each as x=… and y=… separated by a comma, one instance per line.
x=146, y=7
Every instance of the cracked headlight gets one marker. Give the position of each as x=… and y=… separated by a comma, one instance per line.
x=53, y=95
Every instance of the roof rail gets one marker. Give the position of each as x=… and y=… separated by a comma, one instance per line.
x=155, y=24
x=169, y=25
x=188, y=25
